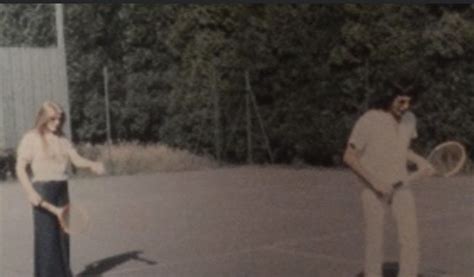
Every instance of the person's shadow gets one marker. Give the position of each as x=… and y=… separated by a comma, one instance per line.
x=99, y=267
x=390, y=269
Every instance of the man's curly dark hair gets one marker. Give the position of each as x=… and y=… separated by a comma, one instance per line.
x=402, y=86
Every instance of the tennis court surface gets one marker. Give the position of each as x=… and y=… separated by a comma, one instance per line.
x=243, y=221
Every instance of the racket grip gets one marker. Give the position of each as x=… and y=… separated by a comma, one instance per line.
x=49, y=207
x=415, y=176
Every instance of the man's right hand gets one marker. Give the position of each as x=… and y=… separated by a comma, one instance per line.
x=385, y=192
x=427, y=170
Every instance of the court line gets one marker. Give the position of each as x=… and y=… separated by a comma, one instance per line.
x=331, y=258
x=324, y=237
x=276, y=247
x=438, y=216
x=266, y=247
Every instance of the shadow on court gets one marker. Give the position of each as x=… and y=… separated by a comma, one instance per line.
x=98, y=268
x=390, y=269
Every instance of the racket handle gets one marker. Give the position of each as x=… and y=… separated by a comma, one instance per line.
x=417, y=175
x=50, y=207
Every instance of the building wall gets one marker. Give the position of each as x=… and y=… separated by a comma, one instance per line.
x=28, y=77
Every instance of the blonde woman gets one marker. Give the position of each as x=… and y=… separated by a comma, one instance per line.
x=48, y=153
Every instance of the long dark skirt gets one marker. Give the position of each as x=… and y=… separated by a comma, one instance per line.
x=51, y=244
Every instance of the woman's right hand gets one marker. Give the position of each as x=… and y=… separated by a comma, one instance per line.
x=51, y=208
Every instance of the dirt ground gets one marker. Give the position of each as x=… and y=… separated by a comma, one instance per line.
x=243, y=221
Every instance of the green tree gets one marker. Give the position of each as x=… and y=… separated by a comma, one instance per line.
x=313, y=68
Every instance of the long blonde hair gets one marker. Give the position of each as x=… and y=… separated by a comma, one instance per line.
x=47, y=111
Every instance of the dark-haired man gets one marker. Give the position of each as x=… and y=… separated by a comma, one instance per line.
x=378, y=151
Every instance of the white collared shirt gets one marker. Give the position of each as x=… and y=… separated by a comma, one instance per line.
x=384, y=142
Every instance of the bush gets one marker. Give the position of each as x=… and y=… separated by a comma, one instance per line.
x=130, y=158
x=7, y=164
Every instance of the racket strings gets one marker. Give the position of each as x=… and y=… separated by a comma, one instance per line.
x=74, y=220
x=447, y=159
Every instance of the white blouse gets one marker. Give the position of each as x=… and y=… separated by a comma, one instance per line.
x=49, y=157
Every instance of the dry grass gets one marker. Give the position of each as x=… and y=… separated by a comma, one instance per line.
x=468, y=167
x=133, y=158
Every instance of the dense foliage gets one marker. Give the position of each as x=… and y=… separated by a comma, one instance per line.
x=177, y=72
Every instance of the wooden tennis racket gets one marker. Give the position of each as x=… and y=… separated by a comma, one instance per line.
x=447, y=158
x=73, y=218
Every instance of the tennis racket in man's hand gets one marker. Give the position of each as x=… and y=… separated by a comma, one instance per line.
x=72, y=218
x=447, y=159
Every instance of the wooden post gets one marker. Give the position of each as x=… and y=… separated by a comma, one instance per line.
x=107, y=111
x=368, y=92
x=248, y=119
x=60, y=25
x=260, y=121
x=217, y=117
x=61, y=45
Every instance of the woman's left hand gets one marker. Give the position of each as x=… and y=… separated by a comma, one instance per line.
x=98, y=168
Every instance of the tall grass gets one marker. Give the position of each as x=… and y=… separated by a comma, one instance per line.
x=469, y=167
x=130, y=158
